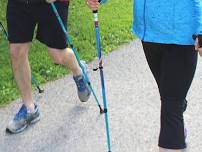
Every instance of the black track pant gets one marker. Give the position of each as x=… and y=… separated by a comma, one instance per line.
x=173, y=67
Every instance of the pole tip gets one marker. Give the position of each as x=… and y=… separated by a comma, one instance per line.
x=101, y=110
x=40, y=90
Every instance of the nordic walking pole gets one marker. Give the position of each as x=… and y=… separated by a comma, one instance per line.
x=34, y=80
x=69, y=41
x=99, y=53
x=4, y=31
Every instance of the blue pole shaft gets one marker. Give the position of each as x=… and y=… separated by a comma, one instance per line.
x=4, y=31
x=99, y=49
x=75, y=53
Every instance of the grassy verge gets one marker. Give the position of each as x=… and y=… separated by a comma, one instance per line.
x=115, y=24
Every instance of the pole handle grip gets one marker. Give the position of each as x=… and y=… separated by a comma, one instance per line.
x=96, y=11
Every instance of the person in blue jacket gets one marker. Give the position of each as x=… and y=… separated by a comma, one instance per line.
x=166, y=28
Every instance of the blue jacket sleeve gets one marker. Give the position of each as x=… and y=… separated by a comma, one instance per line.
x=198, y=14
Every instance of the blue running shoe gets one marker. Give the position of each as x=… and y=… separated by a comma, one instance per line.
x=83, y=89
x=22, y=119
x=185, y=136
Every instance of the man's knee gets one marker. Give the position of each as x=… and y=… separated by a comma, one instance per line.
x=18, y=51
x=70, y=54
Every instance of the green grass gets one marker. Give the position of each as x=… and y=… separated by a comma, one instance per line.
x=115, y=24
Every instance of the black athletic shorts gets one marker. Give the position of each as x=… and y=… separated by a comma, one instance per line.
x=23, y=18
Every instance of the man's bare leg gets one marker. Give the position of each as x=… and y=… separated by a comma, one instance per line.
x=22, y=72
x=65, y=57
x=29, y=112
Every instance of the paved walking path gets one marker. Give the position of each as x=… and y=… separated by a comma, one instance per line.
x=69, y=126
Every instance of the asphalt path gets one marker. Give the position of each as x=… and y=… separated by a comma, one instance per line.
x=67, y=125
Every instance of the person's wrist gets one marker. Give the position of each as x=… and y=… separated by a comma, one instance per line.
x=198, y=38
